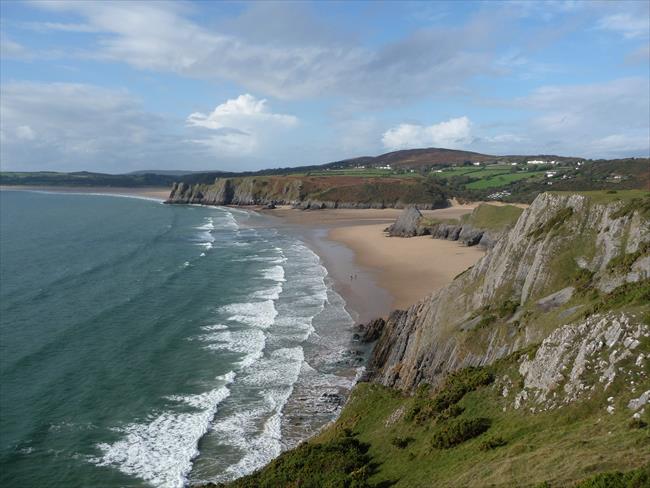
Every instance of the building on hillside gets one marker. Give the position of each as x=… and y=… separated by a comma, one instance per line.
x=539, y=161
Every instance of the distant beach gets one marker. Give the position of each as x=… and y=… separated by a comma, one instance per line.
x=375, y=273
x=158, y=193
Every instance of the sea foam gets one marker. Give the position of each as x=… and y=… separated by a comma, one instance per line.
x=161, y=449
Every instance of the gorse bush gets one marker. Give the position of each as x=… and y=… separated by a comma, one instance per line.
x=638, y=478
x=443, y=404
x=401, y=442
x=457, y=431
x=492, y=443
x=341, y=462
x=458, y=384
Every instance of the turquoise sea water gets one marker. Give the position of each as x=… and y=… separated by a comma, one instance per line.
x=143, y=344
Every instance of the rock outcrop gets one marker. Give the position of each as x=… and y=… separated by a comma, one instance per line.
x=309, y=193
x=492, y=309
x=407, y=223
x=412, y=223
x=371, y=331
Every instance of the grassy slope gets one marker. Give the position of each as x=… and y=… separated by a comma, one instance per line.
x=485, y=216
x=557, y=447
x=493, y=217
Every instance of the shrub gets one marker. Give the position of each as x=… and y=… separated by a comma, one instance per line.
x=637, y=424
x=453, y=390
x=554, y=222
x=486, y=321
x=507, y=308
x=457, y=431
x=342, y=461
x=451, y=412
x=401, y=442
x=638, y=478
x=460, y=383
x=492, y=443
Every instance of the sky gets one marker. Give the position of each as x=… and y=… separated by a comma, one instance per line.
x=123, y=86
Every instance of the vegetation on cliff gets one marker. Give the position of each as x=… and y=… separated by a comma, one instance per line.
x=531, y=369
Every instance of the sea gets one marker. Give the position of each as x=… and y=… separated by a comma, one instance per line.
x=144, y=344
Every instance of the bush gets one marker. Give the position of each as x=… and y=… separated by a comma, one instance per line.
x=638, y=478
x=451, y=412
x=637, y=424
x=342, y=461
x=453, y=390
x=458, y=384
x=401, y=442
x=457, y=431
x=507, y=308
x=492, y=443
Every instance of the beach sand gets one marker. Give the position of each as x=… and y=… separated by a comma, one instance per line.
x=388, y=272
x=159, y=193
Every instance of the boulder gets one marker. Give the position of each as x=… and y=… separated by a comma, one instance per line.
x=406, y=224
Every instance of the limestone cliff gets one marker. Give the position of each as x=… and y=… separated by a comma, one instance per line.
x=312, y=192
x=566, y=256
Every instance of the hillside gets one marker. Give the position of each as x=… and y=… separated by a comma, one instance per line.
x=314, y=192
x=529, y=369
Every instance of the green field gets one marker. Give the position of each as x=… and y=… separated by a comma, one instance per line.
x=502, y=179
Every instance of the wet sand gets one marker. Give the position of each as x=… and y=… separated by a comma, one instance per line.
x=387, y=272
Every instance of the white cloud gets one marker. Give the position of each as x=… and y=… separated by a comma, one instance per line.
x=240, y=125
x=160, y=36
x=10, y=49
x=70, y=126
x=629, y=25
x=453, y=134
x=243, y=112
x=25, y=132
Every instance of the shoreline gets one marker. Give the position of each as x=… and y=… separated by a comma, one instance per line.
x=152, y=192
x=374, y=274
x=388, y=273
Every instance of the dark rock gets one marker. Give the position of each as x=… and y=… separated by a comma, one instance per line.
x=406, y=224
x=372, y=330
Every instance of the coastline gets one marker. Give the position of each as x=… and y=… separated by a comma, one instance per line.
x=374, y=274
x=388, y=272
x=155, y=192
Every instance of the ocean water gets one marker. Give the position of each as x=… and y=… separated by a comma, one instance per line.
x=144, y=344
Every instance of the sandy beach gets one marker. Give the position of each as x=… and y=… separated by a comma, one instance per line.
x=159, y=193
x=387, y=272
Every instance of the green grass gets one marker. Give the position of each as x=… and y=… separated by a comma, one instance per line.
x=493, y=217
x=502, y=180
x=486, y=444
x=553, y=223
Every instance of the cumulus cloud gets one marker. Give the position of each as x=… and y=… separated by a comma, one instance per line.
x=453, y=133
x=240, y=124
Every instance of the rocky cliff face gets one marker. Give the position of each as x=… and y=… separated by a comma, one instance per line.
x=542, y=274
x=307, y=193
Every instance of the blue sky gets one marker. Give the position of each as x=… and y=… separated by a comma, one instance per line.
x=120, y=86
